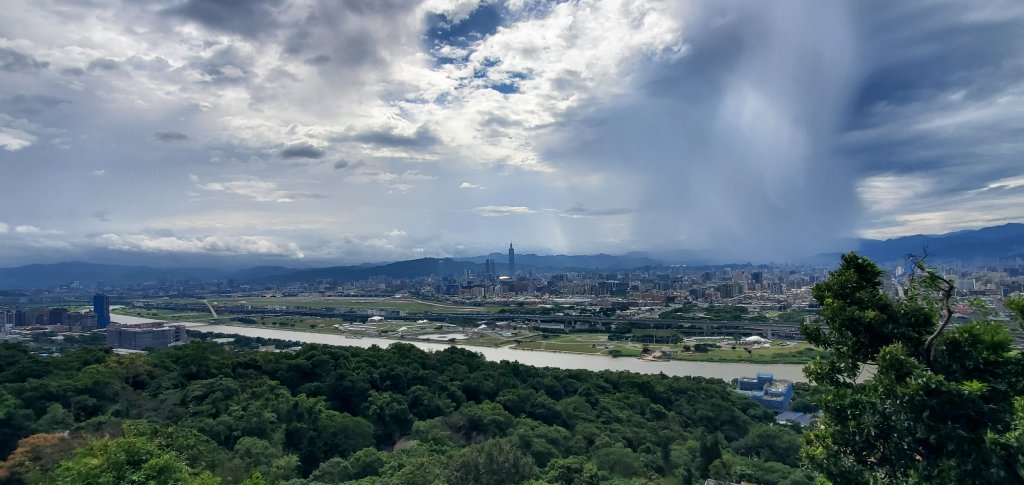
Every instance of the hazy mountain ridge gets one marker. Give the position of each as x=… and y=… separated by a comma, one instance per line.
x=998, y=242
x=565, y=261
x=401, y=269
x=47, y=275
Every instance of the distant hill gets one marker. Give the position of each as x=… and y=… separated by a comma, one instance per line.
x=402, y=269
x=563, y=261
x=998, y=242
x=990, y=243
x=48, y=275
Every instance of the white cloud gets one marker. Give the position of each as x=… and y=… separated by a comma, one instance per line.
x=99, y=173
x=1006, y=183
x=223, y=245
x=468, y=185
x=4, y=228
x=401, y=182
x=13, y=139
x=502, y=210
x=33, y=230
x=256, y=189
x=885, y=193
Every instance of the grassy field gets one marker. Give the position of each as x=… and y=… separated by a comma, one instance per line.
x=327, y=325
x=780, y=352
x=583, y=343
x=407, y=305
x=796, y=353
x=495, y=341
x=169, y=315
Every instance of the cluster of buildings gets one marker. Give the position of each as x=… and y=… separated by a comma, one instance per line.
x=774, y=394
x=758, y=288
x=20, y=323
x=59, y=319
x=145, y=336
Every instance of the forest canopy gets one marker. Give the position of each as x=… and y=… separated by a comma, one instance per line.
x=202, y=413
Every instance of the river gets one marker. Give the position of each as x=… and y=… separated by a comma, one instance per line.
x=539, y=358
x=719, y=370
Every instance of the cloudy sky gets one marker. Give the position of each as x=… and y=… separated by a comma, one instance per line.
x=370, y=130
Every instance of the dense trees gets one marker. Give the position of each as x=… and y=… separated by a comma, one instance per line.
x=942, y=409
x=201, y=413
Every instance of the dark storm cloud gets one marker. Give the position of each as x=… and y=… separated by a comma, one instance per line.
x=14, y=61
x=774, y=116
x=32, y=104
x=169, y=136
x=318, y=60
x=349, y=39
x=155, y=64
x=423, y=137
x=348, y=165
x=226, y=64
x=733, y=139
x=932, y=63
x=580, y=211
x=103, y=64
x=246, y=17
x=302, y=150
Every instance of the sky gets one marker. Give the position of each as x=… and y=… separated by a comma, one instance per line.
x=351, y=131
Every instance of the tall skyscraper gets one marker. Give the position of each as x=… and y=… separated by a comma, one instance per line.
x=511, y=260
x=101, y=307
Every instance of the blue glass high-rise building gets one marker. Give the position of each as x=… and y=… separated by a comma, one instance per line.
x=101, y=307
x=511, y=260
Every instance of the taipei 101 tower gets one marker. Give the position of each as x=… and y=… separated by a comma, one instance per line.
x=511, y=260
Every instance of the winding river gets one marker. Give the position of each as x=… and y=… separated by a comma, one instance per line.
x=563, y=360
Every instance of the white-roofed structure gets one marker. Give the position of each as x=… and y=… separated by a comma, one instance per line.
x=756, y=342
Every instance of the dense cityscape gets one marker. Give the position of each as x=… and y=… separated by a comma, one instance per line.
x=721, y=300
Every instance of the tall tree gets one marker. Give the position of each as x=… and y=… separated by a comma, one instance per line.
x=939, y=405
x=108, y=461
x=494, y=462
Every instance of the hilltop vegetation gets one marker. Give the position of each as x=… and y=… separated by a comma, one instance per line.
x=945, y=404
x=203, y=414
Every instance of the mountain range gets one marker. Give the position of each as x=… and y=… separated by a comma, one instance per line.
x=990, y=243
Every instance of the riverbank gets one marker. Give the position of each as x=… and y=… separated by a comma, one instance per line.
x=565, y=360
x=574, y=343
x=704, y=349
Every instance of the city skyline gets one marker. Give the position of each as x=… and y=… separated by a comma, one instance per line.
x=360, y=132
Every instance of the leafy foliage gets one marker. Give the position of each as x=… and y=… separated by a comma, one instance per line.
x=200, y=413
x=952, y=415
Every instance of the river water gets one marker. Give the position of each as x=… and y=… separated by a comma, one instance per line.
x=563, y=360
